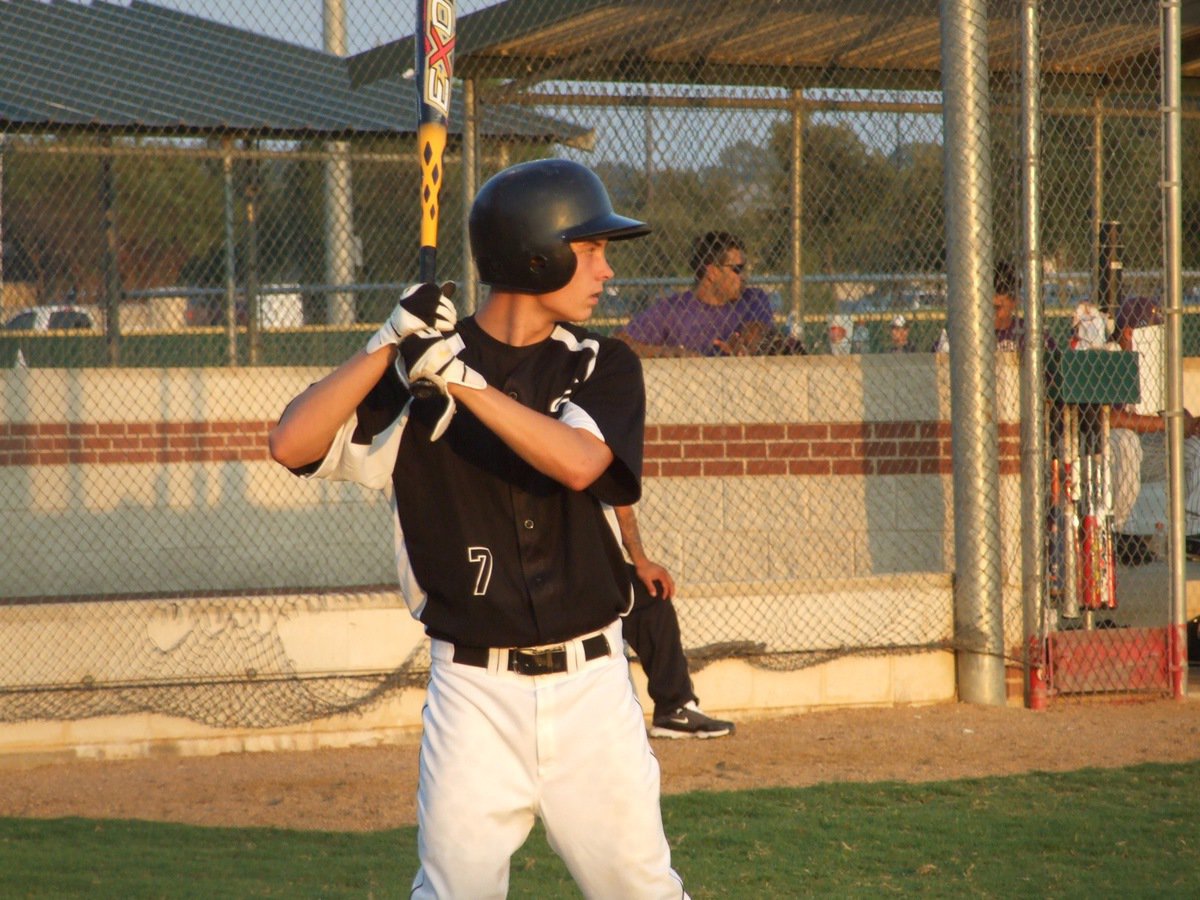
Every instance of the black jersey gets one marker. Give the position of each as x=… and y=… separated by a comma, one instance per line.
x=489, y=551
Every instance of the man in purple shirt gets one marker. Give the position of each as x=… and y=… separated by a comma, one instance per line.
x=718, y=316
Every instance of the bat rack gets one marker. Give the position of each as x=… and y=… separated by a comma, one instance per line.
x=1078, y=651
x=1084, y=386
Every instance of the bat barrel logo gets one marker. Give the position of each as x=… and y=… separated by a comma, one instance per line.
x=435, y=50
x=435, y=67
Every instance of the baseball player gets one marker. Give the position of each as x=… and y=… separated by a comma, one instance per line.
x=651, y=628
x=1138, y=437
x=507, y=550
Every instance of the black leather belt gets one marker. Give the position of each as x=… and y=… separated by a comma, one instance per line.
x=545, y=661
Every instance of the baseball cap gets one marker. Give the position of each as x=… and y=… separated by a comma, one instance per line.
x=899, y=322
x=1137, y=312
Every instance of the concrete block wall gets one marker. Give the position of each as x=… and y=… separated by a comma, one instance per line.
x=842, y=467
x=829, y=491
x=762, y=468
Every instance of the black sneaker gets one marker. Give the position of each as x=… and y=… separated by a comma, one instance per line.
x=689, y=722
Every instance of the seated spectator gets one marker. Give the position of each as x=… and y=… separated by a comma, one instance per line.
x=860, y=338
x=719, y=315
x=841, y=327
x=1009, y=327
x=899, y=336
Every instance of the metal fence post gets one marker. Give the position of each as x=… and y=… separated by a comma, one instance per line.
x=796, y=305
x=110, y=258
x=1033, y=409
x=230, y=254
x=1173, y=307
x=470, y=178
x=338, y=196
x=978, y=613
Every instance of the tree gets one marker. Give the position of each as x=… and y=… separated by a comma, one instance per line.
x=167, y=210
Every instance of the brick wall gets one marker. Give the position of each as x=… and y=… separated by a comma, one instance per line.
x=131, y=443
x=672, y=451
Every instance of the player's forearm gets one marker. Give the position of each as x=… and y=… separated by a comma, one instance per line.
x=1136, y=422
x=311, y=421
x=631, y=538
x=570, y=456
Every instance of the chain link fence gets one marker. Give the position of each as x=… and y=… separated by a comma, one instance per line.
x=200, y=215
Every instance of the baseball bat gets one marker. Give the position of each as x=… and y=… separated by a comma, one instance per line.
x=1057, y=528
x=1110, y=561
x=1070, y=605
x=1089, y=587
x=434, y=45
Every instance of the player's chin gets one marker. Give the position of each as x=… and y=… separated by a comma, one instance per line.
x=585, y=309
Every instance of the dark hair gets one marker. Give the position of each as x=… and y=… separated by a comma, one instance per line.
x=1137, y=312
x=1004, y=279
x=710, y=247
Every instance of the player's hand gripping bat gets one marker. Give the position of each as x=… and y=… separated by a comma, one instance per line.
x=434, y=44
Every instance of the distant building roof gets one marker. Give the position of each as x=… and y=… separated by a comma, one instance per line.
x=145, y=69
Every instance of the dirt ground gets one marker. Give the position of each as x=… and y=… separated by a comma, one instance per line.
x=374, y=788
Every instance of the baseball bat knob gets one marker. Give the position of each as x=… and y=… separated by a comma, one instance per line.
x=423, y=389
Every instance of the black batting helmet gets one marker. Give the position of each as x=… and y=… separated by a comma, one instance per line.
x=525, y=217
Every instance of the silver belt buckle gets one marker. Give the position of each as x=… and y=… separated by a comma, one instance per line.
x=538, y=662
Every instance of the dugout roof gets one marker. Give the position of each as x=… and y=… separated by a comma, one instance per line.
x=143, y=69
x=788, y=43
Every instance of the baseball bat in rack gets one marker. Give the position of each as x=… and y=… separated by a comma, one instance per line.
x=1070, y=496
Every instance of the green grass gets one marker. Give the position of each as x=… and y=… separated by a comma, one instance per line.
x=1095, y=833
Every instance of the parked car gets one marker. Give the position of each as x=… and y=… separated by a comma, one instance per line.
x=55, y=317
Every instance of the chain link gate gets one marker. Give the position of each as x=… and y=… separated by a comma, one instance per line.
x=1104, y=627
x=224, y=246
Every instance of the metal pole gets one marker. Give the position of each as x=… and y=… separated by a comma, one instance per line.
x=1033, y=401
x=648, y=145
x=1097, y=189
x=797, y=217
x=978, y=609
x=340, y=250
x=1108, y=278
x=2, y=310
x=230, y=257
x=253, y=296
x=470, y=181
x=1172, y=125
x=111, y=260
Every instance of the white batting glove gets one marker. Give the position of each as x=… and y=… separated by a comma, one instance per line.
x=432, y=357
x=422, y=306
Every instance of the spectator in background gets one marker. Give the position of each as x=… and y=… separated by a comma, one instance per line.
x=841, y=327
x=1009, y=327
x=860, y=338
x=899, y=336
x=1137, y=440
x=718, y=316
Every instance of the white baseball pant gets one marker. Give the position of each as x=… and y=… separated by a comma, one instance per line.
x=1142, y=458
x=500, y=748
